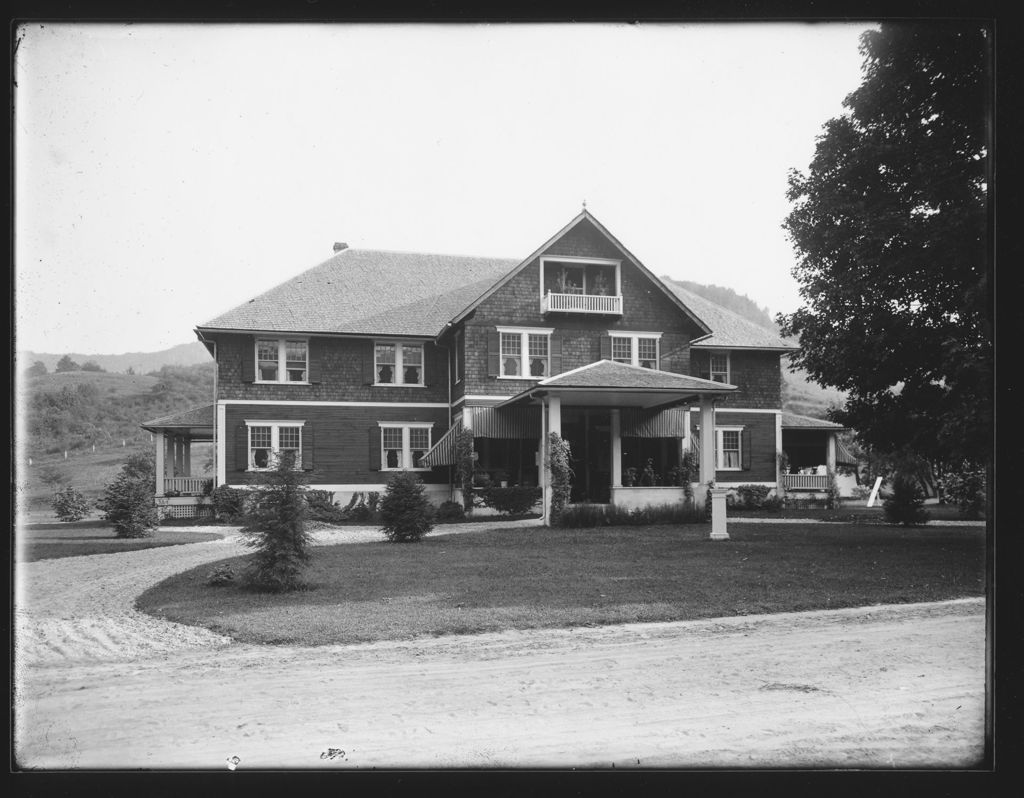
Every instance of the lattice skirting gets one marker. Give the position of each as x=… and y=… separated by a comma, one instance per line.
x=185, y=511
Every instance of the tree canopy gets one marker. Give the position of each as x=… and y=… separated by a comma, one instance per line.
x=66, y=364
x=889, y=225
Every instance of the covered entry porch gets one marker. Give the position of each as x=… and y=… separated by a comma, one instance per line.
x=627, y=428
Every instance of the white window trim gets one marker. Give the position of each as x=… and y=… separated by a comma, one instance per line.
x=524, y=344
x=577, y=261
x=634, y=346
x=275, y=440
x=728, y=365
x=399, y=368
x=719, y=448
x=282, y=360
x=405, y=426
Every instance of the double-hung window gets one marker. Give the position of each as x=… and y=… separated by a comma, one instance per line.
x=525, y=352
x=397, y=363
x=403, y=446
x=728, y=448
x=635, y=349
x=719, y=366
x=270, y=440
x=282, y=360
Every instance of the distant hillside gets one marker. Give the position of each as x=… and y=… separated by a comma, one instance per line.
x=140, y=362
x=739, y=304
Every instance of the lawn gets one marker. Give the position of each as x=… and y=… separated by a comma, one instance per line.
x=81, y=538
x=854, y=512
x=535, y=577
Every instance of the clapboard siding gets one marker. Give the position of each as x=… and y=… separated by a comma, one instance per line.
x=341, y=434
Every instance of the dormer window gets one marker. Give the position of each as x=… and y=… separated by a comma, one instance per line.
x=580, y=285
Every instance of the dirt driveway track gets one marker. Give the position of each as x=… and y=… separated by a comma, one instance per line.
x=100, y=686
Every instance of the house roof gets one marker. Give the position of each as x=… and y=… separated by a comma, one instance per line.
x=202, y=416
x=369, y=292
x=793, y=421
x=729, y=329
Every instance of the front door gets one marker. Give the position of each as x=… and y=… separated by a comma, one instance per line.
x=588, y=431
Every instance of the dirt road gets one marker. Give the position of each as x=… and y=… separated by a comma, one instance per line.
x=101, y=686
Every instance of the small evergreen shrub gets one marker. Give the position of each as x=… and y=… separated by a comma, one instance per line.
x=511, y=501
x=128, y=501
x=906, y=504
x=967, y=490
x=275, y=528
x=220, y=576
x=752, y=497
x=69, y=504
x=229, y=504
x=320, y=506
x=449, y=512
x=405, y=514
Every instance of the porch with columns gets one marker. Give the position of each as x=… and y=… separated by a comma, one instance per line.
x=173, y=437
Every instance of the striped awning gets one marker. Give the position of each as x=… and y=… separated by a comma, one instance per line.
x=506, y=422
x=443, y=452
x=844, y=456
x=639, y=423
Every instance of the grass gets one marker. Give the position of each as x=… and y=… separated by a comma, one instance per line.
x=533, y=578
x=81, y=538
x=854, y=512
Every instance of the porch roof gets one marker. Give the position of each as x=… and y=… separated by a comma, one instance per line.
x=607, y=383
x=196, y=422
x=793, y=421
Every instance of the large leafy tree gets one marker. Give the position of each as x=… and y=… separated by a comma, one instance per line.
x=889, y=225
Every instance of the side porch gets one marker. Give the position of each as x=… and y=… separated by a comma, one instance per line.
x=814, y=451
x=178, y=491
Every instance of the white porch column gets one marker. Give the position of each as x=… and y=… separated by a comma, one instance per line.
x=830, y=456
x=707, y=439
x=160, y=451
x=778, y=450
x=186, y=455
x=616, y=448
x=467, y=418
x=543, y=473
x=555, y=414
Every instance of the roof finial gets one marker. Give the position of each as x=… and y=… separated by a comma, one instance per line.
x=584, y=204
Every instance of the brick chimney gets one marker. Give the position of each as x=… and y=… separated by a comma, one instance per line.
x=339, y=246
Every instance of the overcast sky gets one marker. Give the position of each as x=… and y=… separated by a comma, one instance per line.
x=166, y=173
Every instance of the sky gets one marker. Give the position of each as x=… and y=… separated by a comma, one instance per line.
x=167, y=173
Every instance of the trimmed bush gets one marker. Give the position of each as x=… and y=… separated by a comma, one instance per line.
x=276, y=529
x=752, y=497
x=578, y=516
x=127, y=502
x=69, y=504
x=511, y=501
x=405, y=513
x=906, y=504
x=320, y=506
x=559, y=458
x=967, y=490
x=229, y=504
x=449, y=512
x=220, y=576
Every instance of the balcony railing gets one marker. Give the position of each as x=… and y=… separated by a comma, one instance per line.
x=805, y=481
x=187, y=486
x=581, y=303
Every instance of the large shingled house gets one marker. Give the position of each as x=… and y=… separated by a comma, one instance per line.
x=372, y=361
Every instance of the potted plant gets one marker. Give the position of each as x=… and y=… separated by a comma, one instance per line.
x=629, y=477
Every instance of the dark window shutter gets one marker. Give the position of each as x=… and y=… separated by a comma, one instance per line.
x=241, y=447
x=314, y=353
x=493, y=354
x=555, y=351
x=606, y=347
x=307, y=448
x=249, y=361
x=745, y=446
x=375, y=448
x=368, y=365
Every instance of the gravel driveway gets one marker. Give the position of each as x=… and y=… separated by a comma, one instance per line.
x=99, y=685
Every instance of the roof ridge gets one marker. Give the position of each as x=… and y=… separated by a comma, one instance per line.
x=424, y=252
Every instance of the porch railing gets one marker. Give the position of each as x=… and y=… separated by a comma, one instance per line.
x=581, y=303
x=187, y=486
x=805, y=481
